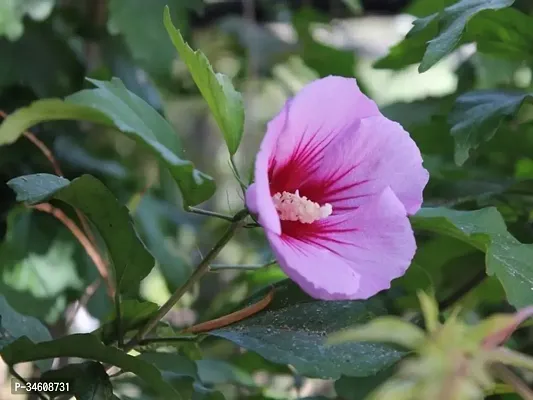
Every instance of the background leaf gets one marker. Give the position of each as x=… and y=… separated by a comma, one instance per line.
x=130, y=259
x=293, y=331
x=112, y=104
x=477, y=116
x=224, y=101
x=506, y=258
x=88, y=347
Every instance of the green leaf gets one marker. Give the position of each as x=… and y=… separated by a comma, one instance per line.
x=485, y=229
x=223, y=100
x=436, y=35
x=46, y=110
x=112, y=104
x=12, y=14
x=133, y=314
x=294, y=327
x=87, y=381
x=133, y=19
x=38, y=259
x=215, y=372
x=350, y=388
x=56, y=76
x=386, y=329
x=88, y=347
x=130, y=259
x=14, y=326
x=477, y=116
x=452, y=23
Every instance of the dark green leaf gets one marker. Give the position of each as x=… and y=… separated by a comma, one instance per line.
x=435, y=36
x=506, y=258
x=223, y=100
x=130, y=259
x=214, y=372
x=113, y=105
x=477, y=116
x=452, y=23
x=87, y=381
x=14, y=326
x=56, y=76
x=350, y=388
x=38, y=265
x=87, y=346
x=133, y=314
x=134, y=18
x=293, y=331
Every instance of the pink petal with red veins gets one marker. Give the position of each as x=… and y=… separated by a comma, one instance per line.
x=363, y=161
x=296, y=138
x=349, y=256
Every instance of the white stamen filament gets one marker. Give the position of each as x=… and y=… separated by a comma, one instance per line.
x=293, y=207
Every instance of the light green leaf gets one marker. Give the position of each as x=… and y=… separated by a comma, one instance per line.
x=88, y=347
x=130, y=260
x=294, y=327
x=223, y=100
x=506, y=258
x=382, y=330
x=46, y=110
x=477, y=116
x=113, y=105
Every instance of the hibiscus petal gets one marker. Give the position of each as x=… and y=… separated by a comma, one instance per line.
x=319, y=272
x=375, y=241
x=366, y=160
x=296, y=137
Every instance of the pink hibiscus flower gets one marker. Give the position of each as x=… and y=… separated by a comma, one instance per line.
x=335, y=182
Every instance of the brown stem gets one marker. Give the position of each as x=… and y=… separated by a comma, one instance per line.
x=89, y=291
x=89, y=247
x=233, y=317
x=509, y=377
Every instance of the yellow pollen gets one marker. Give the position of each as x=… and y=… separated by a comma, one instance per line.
x=293, y=207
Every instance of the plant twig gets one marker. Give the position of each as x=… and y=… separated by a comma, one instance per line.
x=241, y=267
x=89, y=247
x=118, y=321
x=233, y=317
x=173, y=339
x=57, y=169
x=199, y=272
x=89, y=291
x=25, y=382
x=207, y=213
x=509, y=377
x=463, y=290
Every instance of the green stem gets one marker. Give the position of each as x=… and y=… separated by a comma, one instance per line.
x=242, y=267
x=199, y=272
x=237, y=175
x=207, y=213
x=118, y=321
x=163, y=340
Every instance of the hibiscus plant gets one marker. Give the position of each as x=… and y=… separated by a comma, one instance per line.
x=373, y=251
